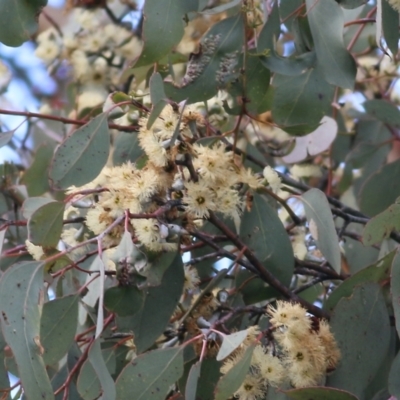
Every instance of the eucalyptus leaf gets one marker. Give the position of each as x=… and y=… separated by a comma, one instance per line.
x=390, y=22
x=191, y=384
x=150, y=321
x=326, y=21
x=163, y=28
x=58, y=326
x=126, y=148
x=82, y=155
x=381, y=226
x=45, y=224
x=301, y=101
x=262, y=231
x=321, y=226
x=371, y=200
x=377, y=272
x=123, y=300
x=150, y=375
x=363, y=315
x=231, y=381
x=395, y=289
x=21, y=298
x=15, y=31
x=383, y=111
x=394, y=383
x=230, y=343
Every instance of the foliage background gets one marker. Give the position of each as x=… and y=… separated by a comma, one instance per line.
x=306, y=88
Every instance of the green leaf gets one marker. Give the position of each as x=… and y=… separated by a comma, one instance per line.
x=126, y=148
x=381, y=226
x=321, y=225
x=350, y=4
x=394, y=382
x=123, y=300
x=395, y=289
x=45, y=224
x=301, y=100
x=213, y=67
x=262, y=231
x=191, y=384
x=31, y=204
x=82, y=155
x=361, y=153
x=371, y=200
x=230, y=343
x=158, y=306
x=326, y=21
x=18, y=20
x=88, y=383
x=21, y=297
x=390, y=26
x=318, y=393
x=361, y=327
x=150, y=375
x=58, y=327
x=256, y=79
x=107, y=385
x=377, y=272
x=231, y=381
x=5, y=137
x=156, y=88
x=383, y=111
x=35, y=177
x=163, y=28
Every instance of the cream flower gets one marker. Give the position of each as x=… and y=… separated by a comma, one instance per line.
x=199, y=199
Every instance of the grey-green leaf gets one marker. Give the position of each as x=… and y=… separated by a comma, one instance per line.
x=230, y=343
x=371, y=200
x=21, y=296
x=321, y=226
x=18, y=20
x=377, y=272
x=383, y=111
x=362, y=316
x=394, y=382
x=390, y=26
x=58, y=327
x=82, y=155
x=191, y=383
x=262, y=231
x=326, y=23
x=231, y=381
x=301, y=101
x=380, y=227
x=163, y=28
x=148, y=324
x=45, y=224
x=107, y=384
x=150, y=375
x=123, y=300
x=395, y=289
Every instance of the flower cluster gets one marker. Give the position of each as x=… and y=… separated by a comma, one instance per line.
x=214, y=184
x=300, y=353
x=95, y=49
